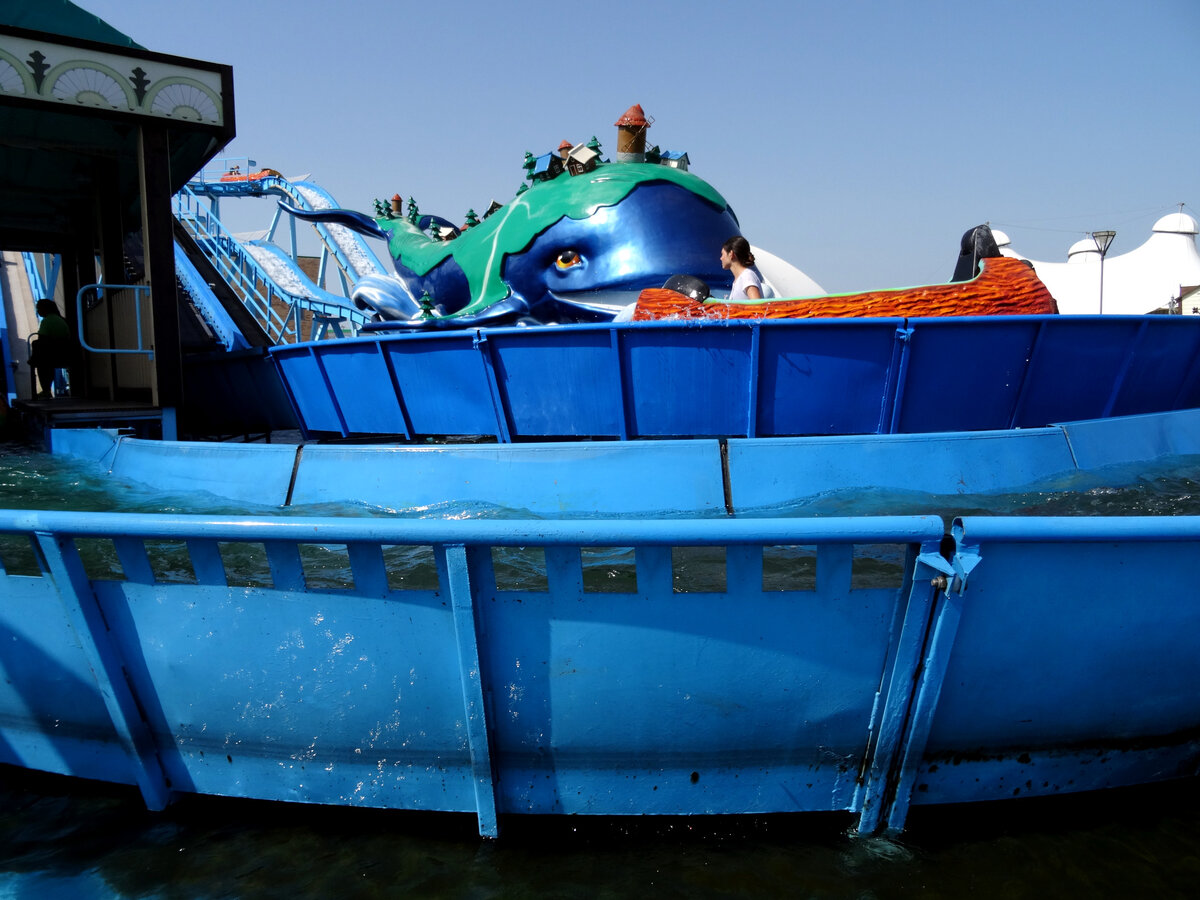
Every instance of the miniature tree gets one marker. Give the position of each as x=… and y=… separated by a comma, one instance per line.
x=426, y=303
x=414, y=214
x=472, y=219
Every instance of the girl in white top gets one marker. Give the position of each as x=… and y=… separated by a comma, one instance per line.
x=737, y=258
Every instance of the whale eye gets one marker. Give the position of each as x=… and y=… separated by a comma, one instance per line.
x=568, y=259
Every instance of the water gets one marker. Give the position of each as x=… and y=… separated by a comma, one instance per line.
x=65, y=838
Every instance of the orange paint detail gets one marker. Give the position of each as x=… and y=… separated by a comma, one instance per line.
x=256, y=176
x=633, y=116
x=1004, y=287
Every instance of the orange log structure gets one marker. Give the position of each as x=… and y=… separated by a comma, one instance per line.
x=1004, y=287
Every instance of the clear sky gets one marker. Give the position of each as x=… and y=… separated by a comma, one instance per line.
x=858, y=139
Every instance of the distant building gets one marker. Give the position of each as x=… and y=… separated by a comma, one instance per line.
x=1154, y=277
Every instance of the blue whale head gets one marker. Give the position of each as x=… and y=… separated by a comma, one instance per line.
x=571, y=249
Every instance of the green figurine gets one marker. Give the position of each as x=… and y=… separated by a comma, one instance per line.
x=426, y=303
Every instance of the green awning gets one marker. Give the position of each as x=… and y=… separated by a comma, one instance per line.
x=75, y=94
x=62, y=18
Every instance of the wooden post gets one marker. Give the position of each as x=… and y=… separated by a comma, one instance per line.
x=158, y=247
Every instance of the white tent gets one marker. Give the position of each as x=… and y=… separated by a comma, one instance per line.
x=1150, y=278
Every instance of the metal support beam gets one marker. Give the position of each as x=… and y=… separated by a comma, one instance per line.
x=87, y=621
x=465, y=626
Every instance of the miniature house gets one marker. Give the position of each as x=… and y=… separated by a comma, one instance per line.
x=582, y=158
x=546, y=166
x=674, y=160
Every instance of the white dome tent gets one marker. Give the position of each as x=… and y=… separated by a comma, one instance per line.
x=1151, y=278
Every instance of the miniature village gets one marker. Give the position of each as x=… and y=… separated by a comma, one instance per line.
x=568, y=158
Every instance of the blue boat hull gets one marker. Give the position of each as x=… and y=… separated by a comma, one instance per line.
x=687, y=666
x=769, y=378
x=647, y=478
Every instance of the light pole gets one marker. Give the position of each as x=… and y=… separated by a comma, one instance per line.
x=1102, y=240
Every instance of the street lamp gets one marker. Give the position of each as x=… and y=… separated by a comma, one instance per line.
x=1102, y=240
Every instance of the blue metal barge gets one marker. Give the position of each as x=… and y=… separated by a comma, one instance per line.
x=842, y=664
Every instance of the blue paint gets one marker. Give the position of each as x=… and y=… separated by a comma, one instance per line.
x=550, y=696
x=568, y=270
x=650, y=478
x=775, y=378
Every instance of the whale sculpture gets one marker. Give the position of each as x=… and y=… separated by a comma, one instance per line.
x=576, y=248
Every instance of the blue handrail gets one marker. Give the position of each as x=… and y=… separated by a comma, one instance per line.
x=98, y=289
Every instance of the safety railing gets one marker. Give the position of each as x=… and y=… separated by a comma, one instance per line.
x=281, y=313
x=91, y=296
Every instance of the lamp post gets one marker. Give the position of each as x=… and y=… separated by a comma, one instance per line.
x=1102, y=240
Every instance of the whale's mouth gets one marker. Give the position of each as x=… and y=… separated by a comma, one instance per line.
x=607, y=302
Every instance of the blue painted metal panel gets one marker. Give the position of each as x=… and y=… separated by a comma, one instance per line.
x=1070, y=661
x=1043, y=662
x=43, y=666
x=772, y=473
x=1105, y=442
x=1165, y=361
x=649, y=477
x=272, y=677
x=444, y=385
x=315, y=405
x=1099, y=346
x=699, y=385
x=329, y=697
x=349, y=367
x=958, y=382
x=93, y=444
x=252, y=473
x=568, y=383
x=610, y=479
x=827, y=377
x=763, y=378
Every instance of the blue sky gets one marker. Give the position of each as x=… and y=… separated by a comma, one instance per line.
x=857, y=139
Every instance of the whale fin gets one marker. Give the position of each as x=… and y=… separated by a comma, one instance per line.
x=349, y=218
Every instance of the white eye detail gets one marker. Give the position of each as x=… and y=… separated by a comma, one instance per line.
x=568, y=259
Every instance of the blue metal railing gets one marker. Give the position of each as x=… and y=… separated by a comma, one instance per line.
x=98, y=292
x=279, y=312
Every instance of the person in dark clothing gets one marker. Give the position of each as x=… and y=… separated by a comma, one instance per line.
x=53, y=348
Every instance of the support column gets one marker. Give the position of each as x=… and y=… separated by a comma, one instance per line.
x=154, y=170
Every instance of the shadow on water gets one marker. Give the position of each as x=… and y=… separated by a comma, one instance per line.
x=65, y=838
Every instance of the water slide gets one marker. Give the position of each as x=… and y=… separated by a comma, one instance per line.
x=348, y=250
